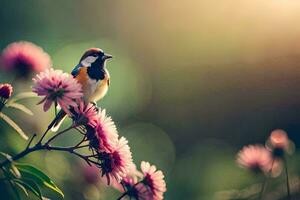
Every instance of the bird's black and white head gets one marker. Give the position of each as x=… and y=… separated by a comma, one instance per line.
x=94, y=57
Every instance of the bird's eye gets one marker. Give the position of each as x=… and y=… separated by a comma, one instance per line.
x=94, y=55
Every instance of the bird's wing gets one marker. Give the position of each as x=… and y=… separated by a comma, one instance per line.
x=75, y=71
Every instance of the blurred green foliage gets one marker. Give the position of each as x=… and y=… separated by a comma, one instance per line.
x=191, y=82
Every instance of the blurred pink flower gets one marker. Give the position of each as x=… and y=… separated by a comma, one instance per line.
x=106, y=131
x=255, y=157
x=58, y=87
x=83, y=113
x=91, y=173
x=279, y=139
x=5, y=91
x=154, y=179
x=24, y=57
x=118, y=162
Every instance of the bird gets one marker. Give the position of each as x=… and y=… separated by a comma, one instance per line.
x=94, y=78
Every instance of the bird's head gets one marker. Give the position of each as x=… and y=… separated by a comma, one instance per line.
x=94, y=57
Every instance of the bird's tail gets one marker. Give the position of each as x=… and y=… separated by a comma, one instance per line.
x=58, y=121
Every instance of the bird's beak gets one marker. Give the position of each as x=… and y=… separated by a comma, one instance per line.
x=107, y=56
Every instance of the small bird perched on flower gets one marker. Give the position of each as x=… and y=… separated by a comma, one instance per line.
x=93, y=76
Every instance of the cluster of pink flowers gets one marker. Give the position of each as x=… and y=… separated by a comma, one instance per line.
x=266, y=159
x=23, y=58
x=110, y=152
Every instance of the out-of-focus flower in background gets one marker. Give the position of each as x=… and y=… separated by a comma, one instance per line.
x=256, y=158
x=23, y=58
x=279, y=143
x=57, y=87
x=90, y=173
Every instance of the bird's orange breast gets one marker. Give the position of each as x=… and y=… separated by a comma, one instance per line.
x=92, y=90
x=82, y=76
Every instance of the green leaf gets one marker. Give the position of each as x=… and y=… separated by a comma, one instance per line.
x=20, y=96
x=46, y=181
x=13, y=125
x=20, y=107
x=15, y=171
x=31, y=186
x=22, y=188
x=7, y=156
x=12, y=184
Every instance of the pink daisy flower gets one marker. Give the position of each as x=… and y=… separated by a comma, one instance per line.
x=83, y=113
x=129, y=181
x=24, y=58
x=256, y=158
x=154, y=182
x=5, y=91
x=116, y=163
x=279, y=139
x=105, y=131
x=57, y=87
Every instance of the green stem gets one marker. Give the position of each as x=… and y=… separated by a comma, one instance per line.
x=123, y=195
x=264, y=184
x=37, y=147
x=58, y=134
x=263, y=188
x=287, y=179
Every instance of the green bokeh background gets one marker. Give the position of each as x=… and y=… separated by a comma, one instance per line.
x=191, y=83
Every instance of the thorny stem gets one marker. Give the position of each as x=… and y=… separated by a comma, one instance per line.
x=287, y=178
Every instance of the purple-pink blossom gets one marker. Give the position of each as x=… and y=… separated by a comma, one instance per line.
x=24, y=57
x=154, y=182
x=57, y=87
x=279, y=139
x=256, y=158
x=5, y=91
x=105, y=131
x=116, y=163
x=84, y=113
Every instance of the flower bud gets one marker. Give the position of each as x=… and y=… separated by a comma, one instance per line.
x=5, y=91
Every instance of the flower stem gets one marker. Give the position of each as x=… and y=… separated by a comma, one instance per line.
x=287, y=179
x=123, y=195
x=58, y=134
x=21, y=154
x=37, y=146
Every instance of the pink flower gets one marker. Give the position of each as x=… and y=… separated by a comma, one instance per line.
x=279, y=139
x=106, y=131
x=91, y=173
x=83, y=113
x=118, y=162
x=129, y=180
x=154, y=182
x=255, y=157
x=24, y=58
x=58, y=87
x=5, y=91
